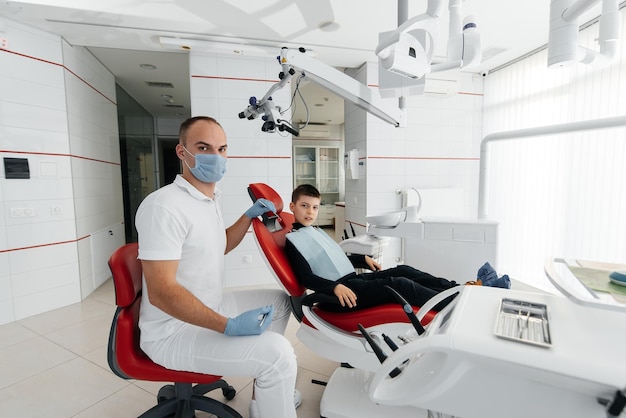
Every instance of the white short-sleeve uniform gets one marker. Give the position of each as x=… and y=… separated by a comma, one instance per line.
x=178, y=222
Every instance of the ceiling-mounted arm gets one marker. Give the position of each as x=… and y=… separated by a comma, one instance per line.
x=409, y=49
x=464, y=45
x=347, y=87
x=563, y=45
x=327, y=77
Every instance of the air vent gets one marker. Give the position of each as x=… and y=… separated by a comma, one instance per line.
x=445, y=87
x=491, y=52
x=174, y=105
x=317, y=131
x=161, y=84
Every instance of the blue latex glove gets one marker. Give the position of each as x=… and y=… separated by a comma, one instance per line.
x=260, y=207
x=252, y=322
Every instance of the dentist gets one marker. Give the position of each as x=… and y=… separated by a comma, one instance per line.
x=187, y=321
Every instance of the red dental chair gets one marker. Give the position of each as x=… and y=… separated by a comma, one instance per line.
x=271, y=241
x=128, y=361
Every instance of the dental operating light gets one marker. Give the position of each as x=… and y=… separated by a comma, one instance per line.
x=326, y=76
x=269, y=112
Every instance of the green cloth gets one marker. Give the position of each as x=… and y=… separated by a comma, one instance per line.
x=599, y=280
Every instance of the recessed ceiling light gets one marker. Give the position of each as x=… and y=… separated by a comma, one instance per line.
x=328, y=26
x=148, y=66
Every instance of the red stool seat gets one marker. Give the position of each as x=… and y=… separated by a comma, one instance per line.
x=128, y=361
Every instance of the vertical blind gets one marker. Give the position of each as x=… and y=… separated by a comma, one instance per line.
x=561, y=195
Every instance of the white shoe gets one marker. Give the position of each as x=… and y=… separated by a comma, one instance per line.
x=254, y=409
x=297, y=398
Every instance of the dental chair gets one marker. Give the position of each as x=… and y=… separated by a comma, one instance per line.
x=270, y=236
x=333, y=335
x=128, y=361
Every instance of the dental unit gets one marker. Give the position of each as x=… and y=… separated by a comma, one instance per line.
x=491, y=352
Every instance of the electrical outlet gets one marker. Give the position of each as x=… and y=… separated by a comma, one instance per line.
x=22, y=212
x=4, y=43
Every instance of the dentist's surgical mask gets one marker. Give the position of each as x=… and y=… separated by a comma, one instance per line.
x=209, y=168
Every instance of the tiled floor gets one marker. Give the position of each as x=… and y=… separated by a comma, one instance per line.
x=54, y=365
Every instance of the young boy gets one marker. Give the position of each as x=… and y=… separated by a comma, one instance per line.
x=321, y=265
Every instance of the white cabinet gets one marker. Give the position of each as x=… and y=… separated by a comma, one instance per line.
x=319, y=166
x=326, y=215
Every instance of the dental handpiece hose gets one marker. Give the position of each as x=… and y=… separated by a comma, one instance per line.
x=408, y=310
x=378, y=351
x=390, y=342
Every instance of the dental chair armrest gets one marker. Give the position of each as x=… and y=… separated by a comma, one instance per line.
x=313, y=299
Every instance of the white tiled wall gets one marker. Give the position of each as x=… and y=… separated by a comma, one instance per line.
x=57, y=110
x=439, y=148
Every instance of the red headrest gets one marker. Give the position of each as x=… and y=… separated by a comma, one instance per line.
x=272, y=242
x=262, y=190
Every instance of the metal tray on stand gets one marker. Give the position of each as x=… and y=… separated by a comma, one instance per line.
x=524, y=322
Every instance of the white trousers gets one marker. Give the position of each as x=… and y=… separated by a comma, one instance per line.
x=268, y=358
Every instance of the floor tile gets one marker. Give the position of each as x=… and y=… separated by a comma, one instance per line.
x=60, y=392
x=28, y=358
x=58, y=319
x=84, y=336
x=13, y=333
x=105, y=293
x=98, y=357
x=308, y=360
x=130, y=401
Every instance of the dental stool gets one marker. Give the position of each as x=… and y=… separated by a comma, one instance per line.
x=128, y=361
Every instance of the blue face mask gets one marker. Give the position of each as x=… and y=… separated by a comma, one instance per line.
x=209, y=168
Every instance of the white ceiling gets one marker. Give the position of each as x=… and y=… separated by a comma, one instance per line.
x=123, y=34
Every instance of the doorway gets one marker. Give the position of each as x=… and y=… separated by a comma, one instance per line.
x=144, y=171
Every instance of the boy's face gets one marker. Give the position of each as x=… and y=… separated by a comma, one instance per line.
x=305, y=209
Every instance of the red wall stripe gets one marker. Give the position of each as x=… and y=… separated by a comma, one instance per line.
x=426, y=158
x=44, y=245
x=53, y=154
x=234, y=78
x=458, y=92
x=65, y=68
x=261, y=156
